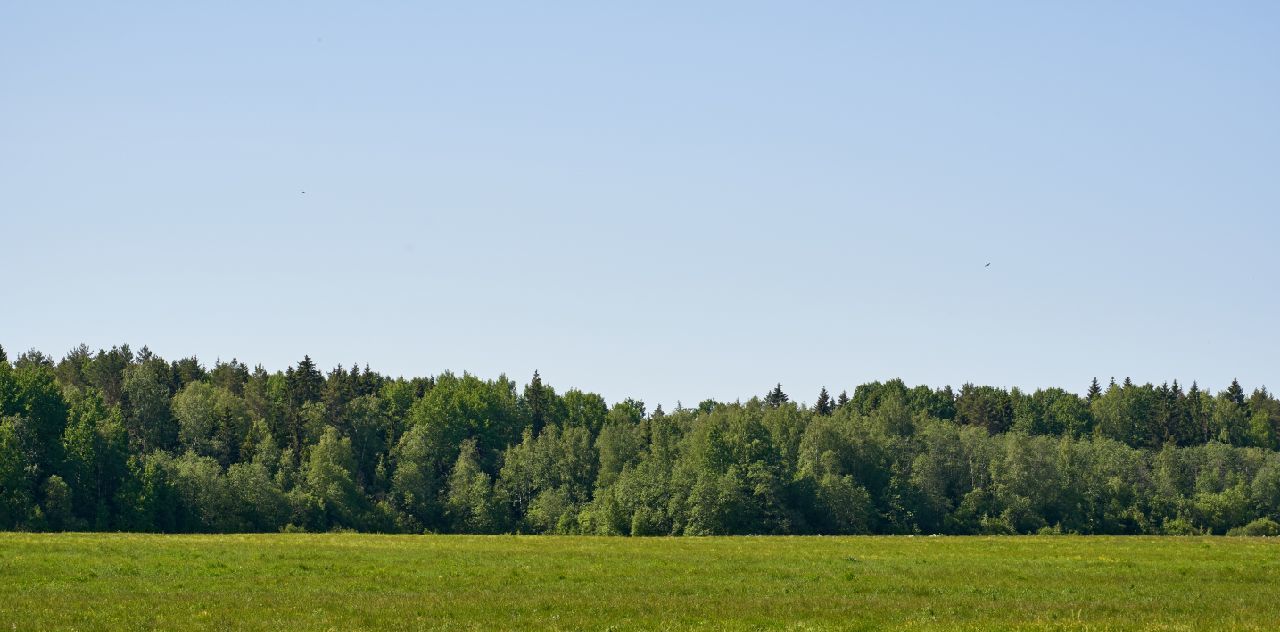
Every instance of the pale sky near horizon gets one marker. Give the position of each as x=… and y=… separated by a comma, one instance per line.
x=671, y=201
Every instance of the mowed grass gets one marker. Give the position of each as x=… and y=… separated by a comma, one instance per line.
x=350, y=581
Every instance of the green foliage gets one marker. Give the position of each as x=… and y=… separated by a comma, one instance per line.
x=1230, y=419
x=331, y=482
x=540, y=404
x=473, y=506
x=148, y=418
x=558, y=465
x=212, y=421
x=57, y=504
x=823, y=406
x=1259, y=527
x=461, y=408
x=115, y=440
x=371, y=430
x=258, y=502
x=1218, y=512
x=984, y=406
x=18, y=471
x=39, y=400
x=1051, y=412
x=776, y=397
x=584, y=410
x=619, y=445
x=416, y=485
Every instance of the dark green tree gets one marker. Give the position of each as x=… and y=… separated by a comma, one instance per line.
x=1180, y=427
x=230, y=375
x=1235, y=393
x=19, y=472
x=823, y=405
x=179, y=449
x=776, y=397
x=303, y=385
x=185, y=371
x=1196, y=412
x=71, y=370
x=984, y=406
x=1094, y=392
x=540, y=404
x=148, y=419
x=106, y=372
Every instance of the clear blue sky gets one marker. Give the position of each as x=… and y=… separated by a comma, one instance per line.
x=661, y=200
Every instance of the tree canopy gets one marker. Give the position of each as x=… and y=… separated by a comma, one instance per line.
x=125, y=440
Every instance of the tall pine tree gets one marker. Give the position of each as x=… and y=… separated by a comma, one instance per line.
x=1199, y=418
x=535, y=402
x=302, y=385
x=1095, y=391
x=823, y=407
x=776, y=397
x=1236, y=393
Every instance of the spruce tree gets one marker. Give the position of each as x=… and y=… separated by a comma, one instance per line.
x=823, y=407
x=535, y=402
x=1162, y=431
x=339, y=389
x=1195, y=412
x=1236, y=393
x=304, y=383
x=1095, y=391
x=1180, y=426
x=776, y=397
x=843, y=399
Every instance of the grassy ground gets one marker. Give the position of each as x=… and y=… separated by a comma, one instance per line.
x=344, y=582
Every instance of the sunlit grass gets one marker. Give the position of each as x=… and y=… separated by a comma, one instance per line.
x=349, y=581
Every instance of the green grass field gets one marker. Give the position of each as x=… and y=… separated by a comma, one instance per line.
x=348, y=581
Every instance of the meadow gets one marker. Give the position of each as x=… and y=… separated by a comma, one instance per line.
x=355, y=581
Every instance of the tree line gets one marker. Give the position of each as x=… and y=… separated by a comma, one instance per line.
x=115, y=440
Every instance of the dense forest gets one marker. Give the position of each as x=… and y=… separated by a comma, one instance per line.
x=123, y=441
